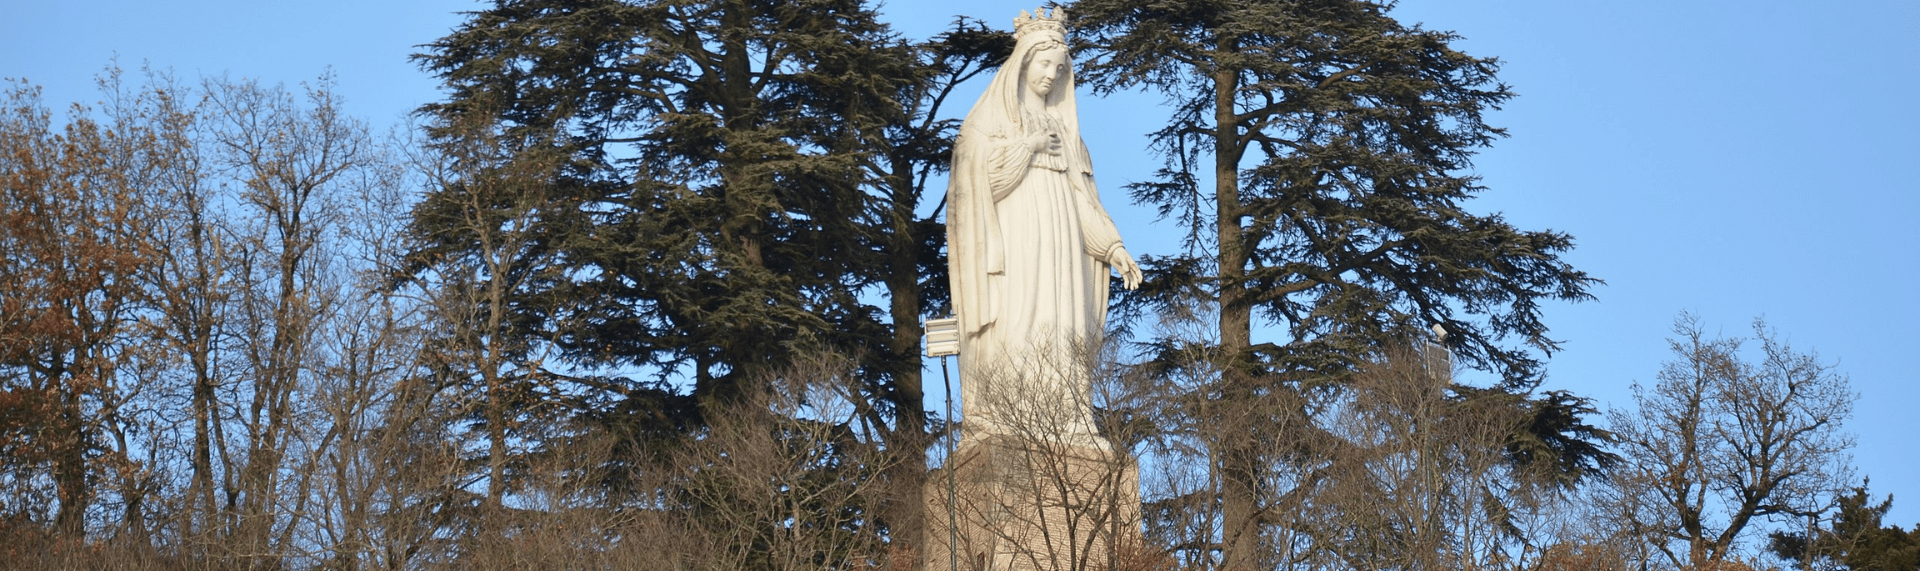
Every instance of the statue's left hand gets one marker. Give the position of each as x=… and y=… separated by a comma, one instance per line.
x=1129, y=271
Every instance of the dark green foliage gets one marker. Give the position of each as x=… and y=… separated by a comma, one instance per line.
x=709, y=219
x=1855, y=539
x=1351, y=136
x=1554, y=442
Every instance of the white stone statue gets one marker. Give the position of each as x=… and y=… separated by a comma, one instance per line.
x=1030, y=246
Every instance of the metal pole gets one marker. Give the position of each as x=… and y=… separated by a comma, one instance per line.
x=953, y=542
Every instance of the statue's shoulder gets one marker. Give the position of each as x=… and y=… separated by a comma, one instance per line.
x=989, y=125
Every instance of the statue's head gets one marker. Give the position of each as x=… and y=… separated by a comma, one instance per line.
x=1040, y=43
x=1039, y=75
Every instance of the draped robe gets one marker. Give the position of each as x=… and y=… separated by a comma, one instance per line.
x=1028, y=247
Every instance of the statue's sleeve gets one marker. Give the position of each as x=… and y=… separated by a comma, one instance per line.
x=1097, y=230
x=1007, y=163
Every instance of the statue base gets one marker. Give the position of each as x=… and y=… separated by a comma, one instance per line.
x=1033, y=506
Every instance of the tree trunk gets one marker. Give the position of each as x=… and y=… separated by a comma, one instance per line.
x=906, y=513
x=1240, y=472
x=496, y=443
x=490, y=370
x=201, y=489
x=70, y=456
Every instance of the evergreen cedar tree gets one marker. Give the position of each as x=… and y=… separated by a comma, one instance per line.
x=741, y=178
x=714, y=221
x=1319, y=156
x=1854, y=539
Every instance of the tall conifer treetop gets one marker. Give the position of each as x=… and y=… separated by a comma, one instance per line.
x=1338, y=144
x=712, y=220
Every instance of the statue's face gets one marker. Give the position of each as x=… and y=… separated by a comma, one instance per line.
x=1046, y=67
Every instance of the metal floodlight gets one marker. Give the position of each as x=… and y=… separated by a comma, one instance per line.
x=943, y=337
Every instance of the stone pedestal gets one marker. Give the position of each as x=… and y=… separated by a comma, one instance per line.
x=1019, y=505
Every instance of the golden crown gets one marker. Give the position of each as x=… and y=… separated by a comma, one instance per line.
x=1040, y=21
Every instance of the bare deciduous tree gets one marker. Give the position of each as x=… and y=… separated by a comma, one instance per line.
x=1725, y=439
x=786, y=479
x=1424, y=477
x=1395, y=466
x=292, y=163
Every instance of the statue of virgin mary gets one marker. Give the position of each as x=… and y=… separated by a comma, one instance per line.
x=1030, y=248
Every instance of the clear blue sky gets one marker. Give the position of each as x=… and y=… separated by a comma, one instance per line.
x=1734, y=159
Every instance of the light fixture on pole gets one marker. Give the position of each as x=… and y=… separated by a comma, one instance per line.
x=943, y=337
